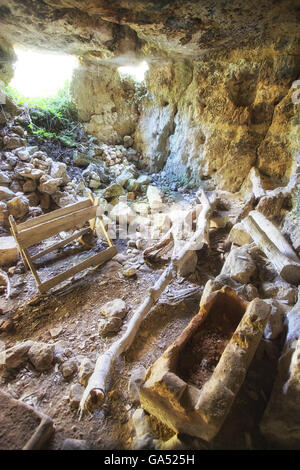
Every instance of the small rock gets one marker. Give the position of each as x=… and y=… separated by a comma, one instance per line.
x=279, y=290
x=13, y=141
x=85, y=371
x=4, y=179
x=54, y=332
x=75, y=394
x=18, y=206
x=140, y=421
x=49, y=185
x=136, y=379
x=8, y=250
x=239, y=265
x=129, y=273
x=114, y=190
x=41, y=355
x=74, y=444
x=17, y=355
x=6, y=325
x=23, y=155
x=68, y=368
x=128, y=141
x=106, y=327
x=6, y=193
x=238, y=235
x=29, y=186
x=145, y=442
x=114, y=308
x=275, y=323
x=155, y=197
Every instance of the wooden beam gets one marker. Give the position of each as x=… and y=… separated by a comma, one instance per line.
x=57, y=245
x=286, y=267
x=34, y=235
x=54, y=214
x=95, y=260
x=14, y=230
x=274, y=235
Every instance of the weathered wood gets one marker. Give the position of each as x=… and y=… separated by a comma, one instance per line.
x=31, y=266
x=287, y=268
x=34, y=235
x=57, y=245
x=95, y=260
x=54, y=214
x=14, y=230
x=46, y=226
x=94, y=393
x=274, y=235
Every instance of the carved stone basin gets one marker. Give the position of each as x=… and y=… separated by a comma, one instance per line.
x=192, y=386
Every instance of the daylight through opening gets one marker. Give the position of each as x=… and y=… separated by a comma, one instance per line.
x=137, y=72
x=41, y=74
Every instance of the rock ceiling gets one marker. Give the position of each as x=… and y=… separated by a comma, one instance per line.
x=107, y=29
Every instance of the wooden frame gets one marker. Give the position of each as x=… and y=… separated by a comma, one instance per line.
x=40, y=228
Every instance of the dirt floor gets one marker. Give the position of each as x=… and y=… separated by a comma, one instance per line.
x=74, y=309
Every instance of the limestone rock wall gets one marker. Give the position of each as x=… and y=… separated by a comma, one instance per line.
x=105, y=102
x=216, y=118
x=7, y=58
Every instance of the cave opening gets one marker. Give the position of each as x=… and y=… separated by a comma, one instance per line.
x=136, y=72
x=41, y=74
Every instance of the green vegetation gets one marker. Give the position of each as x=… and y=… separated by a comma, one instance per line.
x=53, y=117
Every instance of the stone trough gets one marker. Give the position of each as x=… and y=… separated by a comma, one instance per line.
x=21, y=426
x=192, y=386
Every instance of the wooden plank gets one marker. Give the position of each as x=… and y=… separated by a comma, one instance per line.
x=95, y=260
x=14, y=230
x=57, y=245
x=34, y=235
x=54, y=214
x=31, y=265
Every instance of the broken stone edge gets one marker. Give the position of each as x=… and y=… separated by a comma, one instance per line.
x=185, y=408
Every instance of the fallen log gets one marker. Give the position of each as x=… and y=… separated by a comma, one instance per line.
x=265, y=235
x=94, y=393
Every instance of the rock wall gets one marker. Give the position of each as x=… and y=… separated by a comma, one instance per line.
x=210, y=119
x=7, y=58
x=105, y=102
x=216, y=118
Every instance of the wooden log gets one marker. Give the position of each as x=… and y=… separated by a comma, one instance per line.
x=274, y=235
x=287, y=268
x=94, y=393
